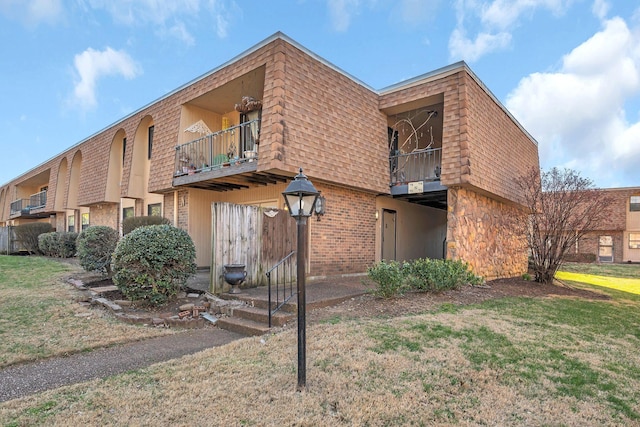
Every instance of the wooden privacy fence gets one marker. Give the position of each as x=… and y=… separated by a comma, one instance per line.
x=250, y=235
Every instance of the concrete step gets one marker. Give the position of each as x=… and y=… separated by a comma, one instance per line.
x=243, y=326
x=261, y=315
x=260, y=302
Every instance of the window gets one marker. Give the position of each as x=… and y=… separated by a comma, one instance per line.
x=124, y=148
x=127, y=213
x=154, y=210
x=150, y=146
x=634, y=240
x=71, y=223
x=85, y=220
x=634, y=204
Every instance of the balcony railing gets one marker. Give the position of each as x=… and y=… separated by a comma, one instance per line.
x=419, y=165
x=20, y=206
x=25, y=206
x=237, y=144
x=38, y=200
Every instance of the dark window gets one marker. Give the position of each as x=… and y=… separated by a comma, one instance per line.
x=71, y=223
x=127, y=213
x=634, y=204
x=124, y=148
x=85, y=221
x=150, y=142
x=634, y=240
x=154, y=210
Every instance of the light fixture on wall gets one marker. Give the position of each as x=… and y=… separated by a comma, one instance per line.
x=377, y=215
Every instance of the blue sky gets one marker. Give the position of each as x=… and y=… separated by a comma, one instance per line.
x=568, y=70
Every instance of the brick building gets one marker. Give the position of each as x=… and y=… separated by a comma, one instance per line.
x=424, y=168
x=617, y=238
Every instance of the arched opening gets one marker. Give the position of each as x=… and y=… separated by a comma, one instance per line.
x=116, y=161
x=141, y=159
x=59, y=204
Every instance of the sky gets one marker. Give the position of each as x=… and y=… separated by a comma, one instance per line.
x=567, y=70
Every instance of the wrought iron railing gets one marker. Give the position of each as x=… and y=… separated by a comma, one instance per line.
x=237, y=144
x=281, y=276
x=419, y=165
x=38, y=200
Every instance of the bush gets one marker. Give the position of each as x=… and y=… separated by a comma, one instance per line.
x=587, y=258
x=58, y=244
x=388, y=277
x=130, y=224
x=96, y=245
x=439, y=274
x=152, y=263
x=27, y=234
x=424, y=275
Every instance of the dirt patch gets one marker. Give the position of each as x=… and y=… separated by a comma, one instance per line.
x=368, y=306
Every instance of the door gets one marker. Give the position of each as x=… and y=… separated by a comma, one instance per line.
x=388, y=235
x=605, y=249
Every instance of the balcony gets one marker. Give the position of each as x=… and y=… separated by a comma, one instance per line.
x=415, y=177
x=29, y=208
x=223, y=160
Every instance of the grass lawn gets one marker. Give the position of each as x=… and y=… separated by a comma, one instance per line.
x=39, y=318
x=508, y=362
x=620, y=277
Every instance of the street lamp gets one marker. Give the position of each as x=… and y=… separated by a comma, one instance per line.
x=300, y=197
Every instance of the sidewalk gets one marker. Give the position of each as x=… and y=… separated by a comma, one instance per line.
x=23, y=380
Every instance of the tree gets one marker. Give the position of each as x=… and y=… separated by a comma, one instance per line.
x=561, y=207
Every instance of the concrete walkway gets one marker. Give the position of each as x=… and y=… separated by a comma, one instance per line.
x=23, y=380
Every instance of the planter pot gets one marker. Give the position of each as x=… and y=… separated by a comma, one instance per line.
x=235, y=274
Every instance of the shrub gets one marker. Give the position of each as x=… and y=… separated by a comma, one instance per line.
x=48, y=243
x=152, y=263
x=27, y=234
x=580, y=257
x=58, y=244
x=388, y=277
x=130, y=224
x=439, y=274
x=96, y=245
x=425, y=275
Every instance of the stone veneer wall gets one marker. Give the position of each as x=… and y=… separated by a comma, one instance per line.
x=480, y=233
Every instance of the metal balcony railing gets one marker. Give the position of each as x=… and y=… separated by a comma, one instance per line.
x=419, y=165
x=38, y=200
x=19, y=206
x=236, y=144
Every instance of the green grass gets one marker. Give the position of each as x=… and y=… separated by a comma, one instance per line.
x=512, y=361
x=630, y=271
x=38, y=313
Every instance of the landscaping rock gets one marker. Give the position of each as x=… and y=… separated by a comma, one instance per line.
x=186, y=307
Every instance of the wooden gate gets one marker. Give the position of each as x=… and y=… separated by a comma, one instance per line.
x=250, y=235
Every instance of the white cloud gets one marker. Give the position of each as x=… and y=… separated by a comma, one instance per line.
x=33, y=12
x=91, y=65
x=600, y=8
x=341, y=11
x=179, y=31
x=495, y=19
x=471, y=50
x=578, y=113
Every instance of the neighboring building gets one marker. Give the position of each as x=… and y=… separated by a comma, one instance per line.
x=424, y=168
x=617, y=238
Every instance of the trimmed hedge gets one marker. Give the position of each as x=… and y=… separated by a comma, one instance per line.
x=153, y=263
x=96, y=245
x=130, y=224
x=424, y=275
x=27, y=234
x=587, y=258
x=60, y=244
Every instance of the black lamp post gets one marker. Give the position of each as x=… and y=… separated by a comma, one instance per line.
x=300, y=197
